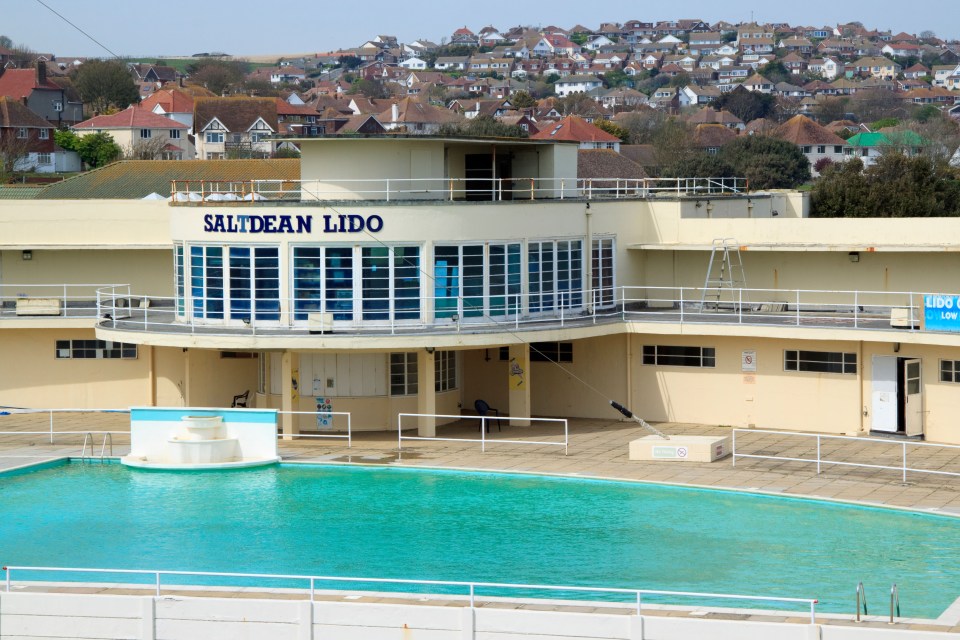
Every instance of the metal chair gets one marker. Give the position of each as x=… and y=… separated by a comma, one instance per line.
x=484, y=410
x=241, y=399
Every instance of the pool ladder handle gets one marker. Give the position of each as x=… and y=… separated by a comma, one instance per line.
x=894, y=602
x=88, y=437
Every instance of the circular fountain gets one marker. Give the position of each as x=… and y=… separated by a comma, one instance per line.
x=205, y=441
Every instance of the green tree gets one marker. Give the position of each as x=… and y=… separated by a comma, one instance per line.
x=699, y=165
x=642, y=124
x=96, y=149
x=616, y=78
x=522, y=100
x=613, y=129
x=105, y=84
x=746, y=105
x=768, y=163
x=6, y=42
x=896, y=186
x=217, y=74
x=775, y=72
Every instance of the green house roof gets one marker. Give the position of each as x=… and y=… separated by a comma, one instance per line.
x=887, y=139
x=136, y=179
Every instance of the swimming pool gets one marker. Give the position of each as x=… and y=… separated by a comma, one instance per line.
x=448, y=525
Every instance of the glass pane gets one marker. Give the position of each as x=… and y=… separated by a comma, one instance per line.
x=338, y=279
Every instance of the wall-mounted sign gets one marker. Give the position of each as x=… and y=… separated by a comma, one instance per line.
x=283, y=223
x=941, y=313
x=748, y=361
x=324, y=413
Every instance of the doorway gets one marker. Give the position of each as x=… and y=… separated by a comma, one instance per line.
x=897, y=396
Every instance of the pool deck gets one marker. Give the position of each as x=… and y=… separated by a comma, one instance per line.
x=598, y=448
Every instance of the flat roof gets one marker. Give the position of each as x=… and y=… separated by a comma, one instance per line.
x=431, y=137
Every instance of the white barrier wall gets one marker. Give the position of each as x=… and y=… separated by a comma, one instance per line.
x=152, y=427
x=26, y=616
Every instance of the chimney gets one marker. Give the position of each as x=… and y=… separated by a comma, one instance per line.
x=394, y=112
x=41, y=72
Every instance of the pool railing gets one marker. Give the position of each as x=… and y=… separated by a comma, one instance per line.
x=485, y=421
x=348, y=436
x=637, y=595
x=51, y=431
x=820, y=460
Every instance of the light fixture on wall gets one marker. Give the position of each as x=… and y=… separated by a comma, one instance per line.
x=896, y=347
x=854, y=256
x=27, y=254
x=429, y=349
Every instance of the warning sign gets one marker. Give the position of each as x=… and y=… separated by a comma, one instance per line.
x=748, y=361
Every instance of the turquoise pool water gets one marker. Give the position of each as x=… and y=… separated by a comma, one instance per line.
x=445, y=525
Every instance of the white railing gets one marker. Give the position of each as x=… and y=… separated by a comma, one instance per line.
x=471, y=588
x=253, y=192
x=899, y=449
x=805, y=308
x=485, y=423
x=348, y=436
x=25, y=301
x=51, y=432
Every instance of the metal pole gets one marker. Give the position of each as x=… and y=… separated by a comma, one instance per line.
x=399, y=433
x=471, y=596
x=312, y=580
x=483, y=432
x=813, y=612
x=734, y=442
x=349, y=430
x=856, y=307
x=7, y=569
x=566, y=437
x=639, y=601
x=51, y=426
x=904, y=463
x=157, y=576
x=818, y=454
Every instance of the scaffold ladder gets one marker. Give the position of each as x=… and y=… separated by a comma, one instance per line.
x=724, y=273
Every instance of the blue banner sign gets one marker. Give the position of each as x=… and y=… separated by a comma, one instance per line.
x=941, y=313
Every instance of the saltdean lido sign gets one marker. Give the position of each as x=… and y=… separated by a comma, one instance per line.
x=941, y=313
x=282, y=223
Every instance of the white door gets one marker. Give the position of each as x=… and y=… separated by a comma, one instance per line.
x=884, y=394
x=913, y=398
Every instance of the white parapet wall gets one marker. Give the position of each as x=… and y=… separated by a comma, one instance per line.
x=26, y=616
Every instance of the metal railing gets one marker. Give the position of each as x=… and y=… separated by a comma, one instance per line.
x=861, y=600
x=471, y=588
x=26, y=301
x=253, y=192
x=51, y=432
x=484, y=424
x=802, y=308
x=900, y=448
x=320, y=415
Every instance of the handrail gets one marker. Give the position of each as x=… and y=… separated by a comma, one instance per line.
x=107, y=436
x=252, y=192
x=861, y=597
x=820, y=461
x=483, y=440
x=894, y=600
x=472, y=586
x=51, y=412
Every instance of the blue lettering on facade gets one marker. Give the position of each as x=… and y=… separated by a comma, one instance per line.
x=249, y=223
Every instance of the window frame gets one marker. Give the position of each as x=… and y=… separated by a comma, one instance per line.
x=667, y=355
x=820, y=362
x=93, y=349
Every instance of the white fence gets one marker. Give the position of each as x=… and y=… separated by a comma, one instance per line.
x=23, y=301
x=891, y=448
x=484, y=424
x=320, y=415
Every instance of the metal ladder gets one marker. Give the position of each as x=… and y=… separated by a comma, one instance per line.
x=88, y=437
x=725, y=272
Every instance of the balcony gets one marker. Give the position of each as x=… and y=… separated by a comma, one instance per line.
x=759, y=311
x=481, y=189
x=50, y=301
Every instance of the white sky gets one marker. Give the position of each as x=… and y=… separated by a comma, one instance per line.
x=242, y=27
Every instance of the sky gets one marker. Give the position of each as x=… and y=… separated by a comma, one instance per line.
x=244, y=28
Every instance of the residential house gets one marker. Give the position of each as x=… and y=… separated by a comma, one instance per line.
x=597, y=42
x=723, y=118
x=666, y=99
x=758, y=83
x=27, y=139
x=416, y=117
x=902, y=50
x=491, y=39
x=142, y=134
x=796, y=44
x=916, y=71
x=816, y=142
x=575, y=128
x=614, y=98
x=795, y=63
x=159, y=75
x=704, y=44
x=832, y=68
x=555, y=45
x=877, y=67
x=932, y=95
x=943, y=75
x=414, y=64
x=294, y=118
x=451, y=63
x=464, y=36
x=174, y=104
x=696, y=95
x=42, y=95
x=484, y=63
x=711, y=137
x=635, y=30
x=869, y=146
x=730, y=76
x=577, y=84
x=235, y=127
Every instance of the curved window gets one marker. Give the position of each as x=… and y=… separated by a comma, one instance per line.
x=235, y=283
x=476, y=280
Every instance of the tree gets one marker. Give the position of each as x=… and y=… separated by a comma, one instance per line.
x=522, y=100
x=103, y=84
x=613, y=129
x=875, y=104
x=746, y=105
x=775, y=72
x=672, y=143
x=218, y=75
x=615, y=78
x=699, y=165
x=370, y=87
x=642, y=124
x=831, y=109
x=96, y=149
x=147, y=149
x=768, y=163
x=12, y=152
x=895, y=186
x=6, y=42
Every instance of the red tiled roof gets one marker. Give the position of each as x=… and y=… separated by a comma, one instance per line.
x=129, y=118
x=284, y=108
x=14, y=113
x=20, y=83
x=573, y=128
x=172, y=101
